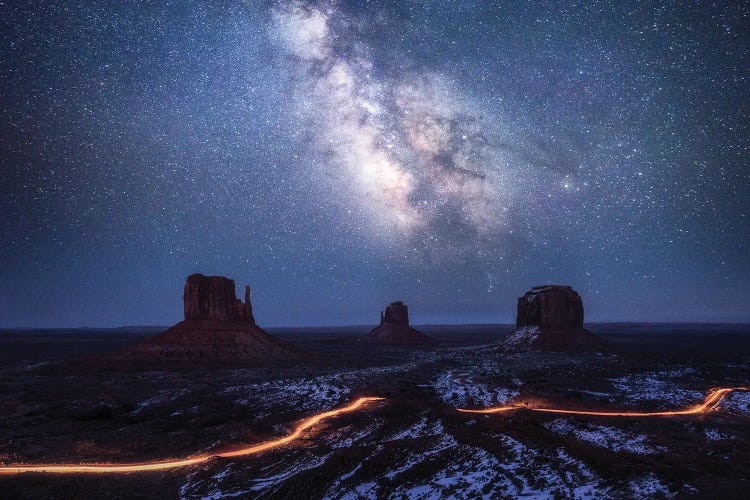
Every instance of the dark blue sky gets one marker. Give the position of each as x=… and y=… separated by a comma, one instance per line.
x=340, y=155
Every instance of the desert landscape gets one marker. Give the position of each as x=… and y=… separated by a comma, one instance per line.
x=463, y=414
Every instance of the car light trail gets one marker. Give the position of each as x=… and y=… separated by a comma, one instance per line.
x=304, y=425
x=713, y=398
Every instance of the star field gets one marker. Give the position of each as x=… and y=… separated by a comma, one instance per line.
x=337, y=156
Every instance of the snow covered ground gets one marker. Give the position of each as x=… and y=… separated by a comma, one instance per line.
x=307, y=394
x=649, y=487
x=316, y=393
x=422, y=458
x=461, y=390
x=737, y=403
x=657, y=386
x=715, y=435
x=611, y=438
x=522, y=337
x=471, y=472
x=231, y=481
x=456, y=470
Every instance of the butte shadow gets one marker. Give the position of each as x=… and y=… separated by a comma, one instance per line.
x=218, y=327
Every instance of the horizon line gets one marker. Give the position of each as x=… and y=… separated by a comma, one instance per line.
x=604, y=322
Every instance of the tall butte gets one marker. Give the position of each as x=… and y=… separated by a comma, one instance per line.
x=394, y=327
x=550, y=318
x=217, y=326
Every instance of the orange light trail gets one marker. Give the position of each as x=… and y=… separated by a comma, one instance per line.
x=304, y=425
x=713, y=398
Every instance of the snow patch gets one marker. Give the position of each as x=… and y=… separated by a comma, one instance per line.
x=715, y=435
x=313, y=394
x=364, y=491
x=336, y=441
x=606, y=437
x=522, y=337
x=657, y=386
x=737, y=403
x=445, y=442
x=459, y=389
x=649, y=487
x=523, y=472
x=265, y=483
x=420, y=429
x=224, y=484
x=306, y=394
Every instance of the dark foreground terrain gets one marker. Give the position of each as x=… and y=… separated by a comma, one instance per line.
x=60, y=402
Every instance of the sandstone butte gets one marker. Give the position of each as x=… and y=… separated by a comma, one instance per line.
x=550, y=317
x=394, y=327
x=217, y=326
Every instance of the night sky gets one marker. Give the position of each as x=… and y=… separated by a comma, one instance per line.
x=337, y=156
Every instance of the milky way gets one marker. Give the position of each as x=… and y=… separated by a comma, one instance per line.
x=341, y=155
x=406, y=148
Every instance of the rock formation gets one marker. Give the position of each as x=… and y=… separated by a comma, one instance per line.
x=394, y=327
x=217, y=326
x=550, y=317
x=213, y=298
x=550, y=306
